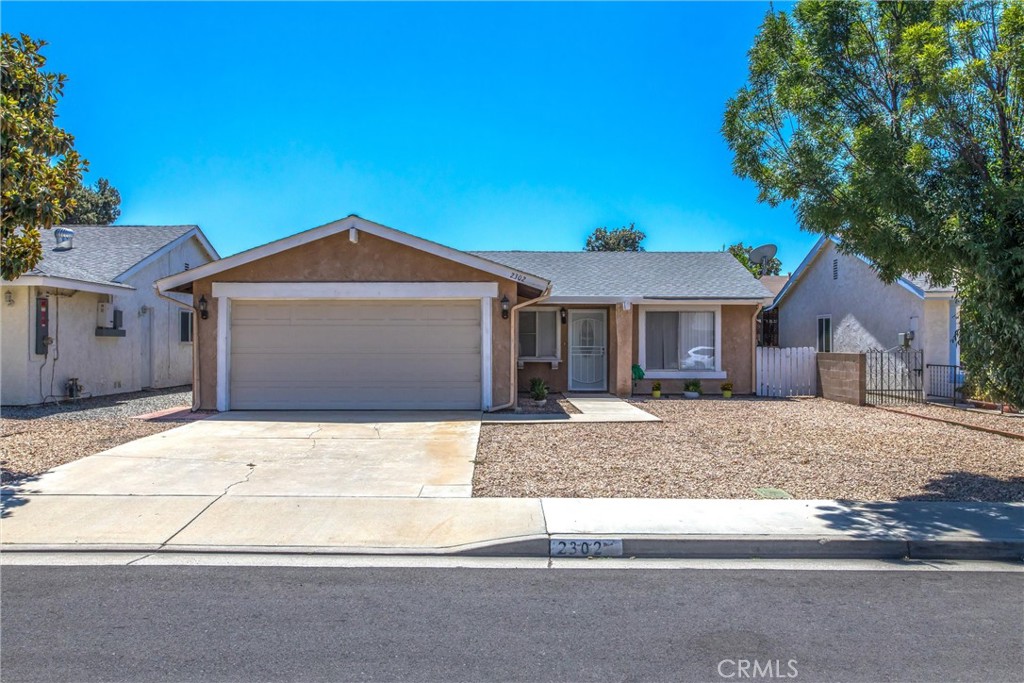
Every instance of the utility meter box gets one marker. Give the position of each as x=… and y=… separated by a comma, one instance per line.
x=105, y=315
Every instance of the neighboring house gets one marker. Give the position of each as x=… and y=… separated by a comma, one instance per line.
x=354, y=314
x=836, y=302
x=89, y=311
x=768, y=319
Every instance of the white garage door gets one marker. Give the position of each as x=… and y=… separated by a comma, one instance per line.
x=311, y=354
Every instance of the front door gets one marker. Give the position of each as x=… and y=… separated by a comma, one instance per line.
x=588, y=350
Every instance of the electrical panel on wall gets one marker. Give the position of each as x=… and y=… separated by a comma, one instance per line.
x=42, y=325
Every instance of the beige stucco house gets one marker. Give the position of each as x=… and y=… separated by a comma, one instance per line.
x=354, y=314
x=88, y=312
x=836, y=302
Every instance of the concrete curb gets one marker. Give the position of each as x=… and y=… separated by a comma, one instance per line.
x=634, y=547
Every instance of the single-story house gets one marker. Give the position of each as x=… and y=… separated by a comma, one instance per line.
x=357, y=315
x=87, y=320
x=836, y=302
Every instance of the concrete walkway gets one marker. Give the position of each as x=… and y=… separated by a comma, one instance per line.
x=599, y=408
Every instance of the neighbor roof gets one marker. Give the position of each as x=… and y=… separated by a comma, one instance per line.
x=645, y=274
x=102, y=253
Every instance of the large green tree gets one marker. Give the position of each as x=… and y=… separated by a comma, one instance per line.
x=898, y=127
x=742, y=254
x=39, y=167
x=99, y=205
x=626, y=238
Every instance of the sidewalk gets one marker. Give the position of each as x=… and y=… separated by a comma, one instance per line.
x=524, y=527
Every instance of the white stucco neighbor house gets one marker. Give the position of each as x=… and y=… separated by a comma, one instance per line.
x=836, y=302
x=87, y=321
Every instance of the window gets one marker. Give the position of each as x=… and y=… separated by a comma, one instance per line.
x=538, y=334
x=680, y=340
x=825, y=334
x=185, y=326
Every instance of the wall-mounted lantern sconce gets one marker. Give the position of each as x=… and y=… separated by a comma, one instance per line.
x=9, y=298
x=203, y=313
x=565, y=315
x=504, y=307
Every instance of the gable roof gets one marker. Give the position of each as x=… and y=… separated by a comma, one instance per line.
x=637, y=275
x=351, y=222
x=104, y=255
x=918, y=285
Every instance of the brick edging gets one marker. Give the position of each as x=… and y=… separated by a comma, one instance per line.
x=999, y=432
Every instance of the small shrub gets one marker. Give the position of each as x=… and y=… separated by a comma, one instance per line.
x=692, y=385
x=656, y=386
x=538, y=389
x=726, y=386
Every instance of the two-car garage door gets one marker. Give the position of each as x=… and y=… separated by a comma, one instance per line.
x=343, y=354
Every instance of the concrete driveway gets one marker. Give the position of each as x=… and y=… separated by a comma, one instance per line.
x=285, y=453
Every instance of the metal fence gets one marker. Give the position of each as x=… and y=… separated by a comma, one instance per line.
x=945, y=382
x=895, y=376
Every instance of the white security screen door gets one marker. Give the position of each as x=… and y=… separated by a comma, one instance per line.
x=588, y=350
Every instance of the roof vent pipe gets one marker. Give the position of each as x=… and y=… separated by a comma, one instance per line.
x=63, y=237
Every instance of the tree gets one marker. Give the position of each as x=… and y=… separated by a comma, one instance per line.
x=39, y=167
x=94, y=206
x=898, y=128
x=742, y=254
x=626, y=238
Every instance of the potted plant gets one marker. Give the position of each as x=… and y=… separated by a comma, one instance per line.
x=538, y=391
x=656, y=389
x=726, y=389
x=692, y=388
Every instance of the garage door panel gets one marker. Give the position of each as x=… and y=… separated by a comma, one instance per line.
x=355, y=354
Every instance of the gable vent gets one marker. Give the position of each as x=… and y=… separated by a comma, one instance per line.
x=835, y=269
x=64, y=237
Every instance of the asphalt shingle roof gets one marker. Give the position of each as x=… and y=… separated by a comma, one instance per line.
x=101, y=253
x=652, y=274
x=924, y=283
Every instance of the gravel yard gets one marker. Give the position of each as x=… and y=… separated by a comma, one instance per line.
x=988, y=419
x=716, y=448
x=38, y=438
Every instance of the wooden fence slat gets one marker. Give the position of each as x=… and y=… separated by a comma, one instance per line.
x=785, y=371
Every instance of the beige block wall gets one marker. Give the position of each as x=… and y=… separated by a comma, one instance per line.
x=336, y=259
x=842, y=377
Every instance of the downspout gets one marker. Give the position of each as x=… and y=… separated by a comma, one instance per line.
x=514, y=343
x=753, y=349
x=195, y=345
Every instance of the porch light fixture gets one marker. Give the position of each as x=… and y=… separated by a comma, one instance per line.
x=9, y=298
x=203, y=313
x=504, y=308
x=565, y=315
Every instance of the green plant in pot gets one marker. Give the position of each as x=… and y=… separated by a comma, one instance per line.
x=656, y=390
x=726, y=389
x=538, y=391
x=692, y=388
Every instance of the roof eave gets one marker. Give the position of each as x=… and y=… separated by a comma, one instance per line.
x=70, y=283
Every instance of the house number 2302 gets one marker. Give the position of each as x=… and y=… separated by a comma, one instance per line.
x=517, y=277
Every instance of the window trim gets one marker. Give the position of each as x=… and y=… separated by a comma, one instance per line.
x=191, y=326
x=817, y=334
x=554, y=360
x=717, y=373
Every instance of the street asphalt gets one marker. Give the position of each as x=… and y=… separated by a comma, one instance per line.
x=189, y=623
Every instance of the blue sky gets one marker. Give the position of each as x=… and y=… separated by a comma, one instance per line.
x=480, y=126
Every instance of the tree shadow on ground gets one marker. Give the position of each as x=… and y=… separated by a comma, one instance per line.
x=11, y=495
x=955, y=503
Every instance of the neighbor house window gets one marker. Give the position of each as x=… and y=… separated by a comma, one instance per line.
x=825, y=334
x=680, y=340
x=538, y=334
x=185, y=326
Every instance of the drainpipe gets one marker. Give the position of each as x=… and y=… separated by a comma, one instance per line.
x=753, y=348
x=195, y=345
x=513, y=370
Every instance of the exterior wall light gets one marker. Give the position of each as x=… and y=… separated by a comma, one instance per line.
x=9, y=298
x=203, y=313
x=565, y=315
x=504, y=308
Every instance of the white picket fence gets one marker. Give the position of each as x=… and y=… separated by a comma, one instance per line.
x=786, y=372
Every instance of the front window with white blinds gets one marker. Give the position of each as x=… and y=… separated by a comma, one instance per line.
x=680, y=340
x=538, y=334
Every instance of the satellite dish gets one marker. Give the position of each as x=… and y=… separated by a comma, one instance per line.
x=763, y=255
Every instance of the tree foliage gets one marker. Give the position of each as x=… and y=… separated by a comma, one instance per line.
x=99, y=205
x=742, y=254
x=39, y=167
x=898, y=127
x=626, y=238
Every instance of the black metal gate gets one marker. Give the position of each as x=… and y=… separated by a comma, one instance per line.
x=895, y=376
